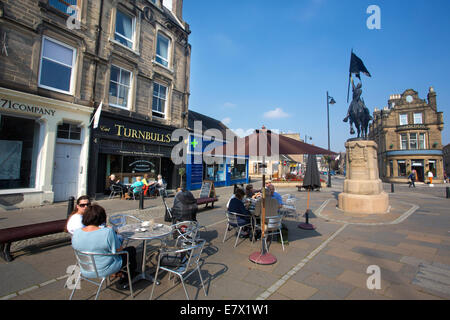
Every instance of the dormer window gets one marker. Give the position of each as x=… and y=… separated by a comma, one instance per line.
x=418, y=118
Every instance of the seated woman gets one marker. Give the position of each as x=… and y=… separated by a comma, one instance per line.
x=236, y=205
x=94, y=239
x=75, y=218
x=136, y=187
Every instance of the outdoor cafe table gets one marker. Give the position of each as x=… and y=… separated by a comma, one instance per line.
x=152, y=232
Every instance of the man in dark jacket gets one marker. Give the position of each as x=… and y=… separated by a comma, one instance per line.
x=184, y=207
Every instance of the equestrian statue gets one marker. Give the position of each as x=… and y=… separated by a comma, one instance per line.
x=357, y=113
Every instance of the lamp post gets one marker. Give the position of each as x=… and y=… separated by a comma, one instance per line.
x=331, y=101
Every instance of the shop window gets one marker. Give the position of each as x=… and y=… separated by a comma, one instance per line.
x=62, y=5
x=391, y=168
x=432, y=166
x=159, y=100
x=125, y=27
x=57, y=66
x=401, y=168
x=119, y=87
x=18, y=152
x=238, y=170
x=215, y=172
x=68, y=131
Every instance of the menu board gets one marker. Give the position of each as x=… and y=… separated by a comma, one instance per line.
x=207, y=190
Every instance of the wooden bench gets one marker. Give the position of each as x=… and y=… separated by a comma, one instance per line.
x=207, y=201
x=10, y=235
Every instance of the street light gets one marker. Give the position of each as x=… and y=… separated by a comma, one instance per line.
x=332, y=101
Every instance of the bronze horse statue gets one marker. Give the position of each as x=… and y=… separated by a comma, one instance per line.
x=358, y=114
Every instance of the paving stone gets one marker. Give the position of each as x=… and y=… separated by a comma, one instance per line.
x=377, y=253
x=328, y=285
x=296, y=290
x=324, y=269
x=365, y=294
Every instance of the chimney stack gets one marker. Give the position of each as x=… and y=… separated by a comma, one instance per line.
x=432, y=99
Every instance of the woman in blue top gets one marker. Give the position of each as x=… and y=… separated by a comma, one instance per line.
x=237, y=206
x=94, y=239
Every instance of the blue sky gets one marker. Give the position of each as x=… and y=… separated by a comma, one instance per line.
x=261, y=62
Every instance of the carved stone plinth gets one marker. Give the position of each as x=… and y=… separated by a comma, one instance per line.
x=363, y=189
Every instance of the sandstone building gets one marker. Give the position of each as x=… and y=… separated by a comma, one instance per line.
x=409, y=136
x=61, y=60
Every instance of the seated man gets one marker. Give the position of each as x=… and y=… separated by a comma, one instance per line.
x=275, y=195
x=184, y=206
x=136, y=187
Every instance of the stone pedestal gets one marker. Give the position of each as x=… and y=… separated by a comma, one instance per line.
x=363, y=189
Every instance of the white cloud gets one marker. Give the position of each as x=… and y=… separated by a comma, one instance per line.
x=229, y=105
x=226, y=121
x=243, y=132
x=278, y=113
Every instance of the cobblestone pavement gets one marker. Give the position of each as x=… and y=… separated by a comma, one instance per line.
x=410, y=246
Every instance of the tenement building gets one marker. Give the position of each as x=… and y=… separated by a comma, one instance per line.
x=60, y=61
x=409, y=137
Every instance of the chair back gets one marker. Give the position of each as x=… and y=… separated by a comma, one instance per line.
x=119, y=220
x=86, y=262
x=195, y=252
x=273, y=222
x=115, y=188
x=232, y=218
x=185, y=231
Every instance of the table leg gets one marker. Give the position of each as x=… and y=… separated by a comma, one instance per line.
x=144, y=275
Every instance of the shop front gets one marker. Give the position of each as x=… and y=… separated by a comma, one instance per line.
x=401, y=163
x=43, y=149
x=129, y=148
x=223, y=171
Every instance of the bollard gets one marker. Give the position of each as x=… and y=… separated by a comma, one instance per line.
x=448, y=192
x=70, y=206
x=141, y=200
x=392, y=187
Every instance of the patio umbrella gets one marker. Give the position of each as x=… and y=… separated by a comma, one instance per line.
x=264, y=143
x=311, y=181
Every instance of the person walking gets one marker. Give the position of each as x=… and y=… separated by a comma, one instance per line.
x=412, y=178
x=430, y=176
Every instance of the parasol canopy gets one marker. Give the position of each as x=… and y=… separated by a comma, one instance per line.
x=312, y=176
x=266, y=143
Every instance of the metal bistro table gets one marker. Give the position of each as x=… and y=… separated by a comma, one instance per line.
x=136, y=232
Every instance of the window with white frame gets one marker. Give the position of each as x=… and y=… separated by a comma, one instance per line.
x=418, y=118
x=413, y=141
x=119, y=87
x=57, y=66
x=422, y=141
x=125, y=26
x=159, y=100
x=162, y=50
x=404, y=141
x=403, y=119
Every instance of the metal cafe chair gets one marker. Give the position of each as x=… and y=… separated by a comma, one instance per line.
x=273, y=226
x=289, y=208
x=86, y=262
x=190, y=264
x=119, y=220
x=232, y=221
x=115, y=190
